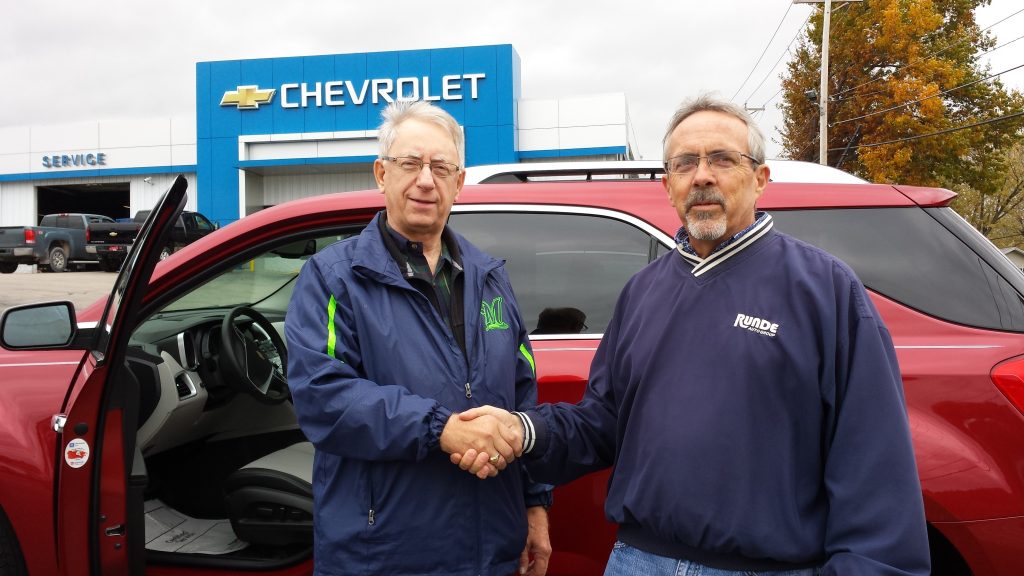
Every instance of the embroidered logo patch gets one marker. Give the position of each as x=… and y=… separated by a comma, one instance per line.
x=492, y=315
x=757, y=325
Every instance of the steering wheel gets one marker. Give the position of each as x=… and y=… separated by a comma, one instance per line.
x=255, y=359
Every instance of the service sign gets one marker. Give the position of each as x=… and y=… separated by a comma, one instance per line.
x=89, y=160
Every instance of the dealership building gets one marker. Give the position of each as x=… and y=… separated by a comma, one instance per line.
x=270, y=130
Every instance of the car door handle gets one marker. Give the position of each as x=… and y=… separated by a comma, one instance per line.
x=115, y=530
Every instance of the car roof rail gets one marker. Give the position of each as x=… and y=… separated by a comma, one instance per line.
x=635, y=170
x=564, y=171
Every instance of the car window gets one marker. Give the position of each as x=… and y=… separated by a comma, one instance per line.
x=907, y=255
x=202, y=223
x=265, y=280
x=566, y=269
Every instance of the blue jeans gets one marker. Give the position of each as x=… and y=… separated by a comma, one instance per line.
x=628, y=561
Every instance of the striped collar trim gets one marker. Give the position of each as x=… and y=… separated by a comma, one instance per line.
x=702, y=265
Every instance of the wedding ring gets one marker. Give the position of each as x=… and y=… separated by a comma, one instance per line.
x=494, y=459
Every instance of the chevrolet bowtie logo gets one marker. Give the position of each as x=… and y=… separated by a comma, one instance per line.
x=247, y=97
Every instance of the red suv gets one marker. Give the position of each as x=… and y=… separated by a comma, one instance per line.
x=153, y=432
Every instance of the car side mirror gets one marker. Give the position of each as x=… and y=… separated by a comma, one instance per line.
x=46, y=325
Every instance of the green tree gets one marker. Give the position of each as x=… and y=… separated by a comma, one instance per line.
x=897, y=69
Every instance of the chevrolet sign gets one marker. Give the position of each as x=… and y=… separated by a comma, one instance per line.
x=342, y=92
x=247, y=97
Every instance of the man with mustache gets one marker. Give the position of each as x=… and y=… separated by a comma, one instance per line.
x=746, y=392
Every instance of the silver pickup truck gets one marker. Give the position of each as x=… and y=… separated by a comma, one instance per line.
x=58, y=243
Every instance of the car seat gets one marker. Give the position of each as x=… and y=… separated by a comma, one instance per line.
x=270, y=500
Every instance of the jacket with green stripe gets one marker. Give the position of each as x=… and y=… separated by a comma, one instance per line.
x=375, y=373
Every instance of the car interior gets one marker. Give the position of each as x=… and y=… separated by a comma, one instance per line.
x=227, y=473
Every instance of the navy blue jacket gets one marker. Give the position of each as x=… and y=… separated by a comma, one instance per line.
x=375, y=374
x=752, y=407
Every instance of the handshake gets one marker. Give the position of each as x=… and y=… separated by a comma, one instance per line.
x=484, y=440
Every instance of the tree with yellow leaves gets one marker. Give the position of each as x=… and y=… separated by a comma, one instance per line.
x=904, y=78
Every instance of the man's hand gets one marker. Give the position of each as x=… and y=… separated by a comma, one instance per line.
x=478, y=462
x=477, y=440
x=535, y=557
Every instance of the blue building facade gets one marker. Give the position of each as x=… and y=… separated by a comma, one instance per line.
x=340, y=97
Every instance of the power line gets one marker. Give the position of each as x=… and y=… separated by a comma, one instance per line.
x=788, y=46
x=772, y=69
x=919, y=100
x=790, y=6
x=1003, y=45
x=946, y=131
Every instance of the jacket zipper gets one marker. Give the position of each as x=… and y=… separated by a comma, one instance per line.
x=465, y=354
x=371, y=515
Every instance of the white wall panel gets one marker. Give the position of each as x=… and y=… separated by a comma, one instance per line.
x=183, y=155
x=15, y=163
x=136, y=143
x=592, y=136
x=281, y=150
x=138, y=156
x=183, y=131
x=361, y=147
x=576, y=122
x=135, y=132
x=80, y=136
x=538, y=139
x=537, y=114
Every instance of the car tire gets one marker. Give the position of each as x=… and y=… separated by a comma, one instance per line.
x=58, y=259
x=8, y=267
x=11, y=561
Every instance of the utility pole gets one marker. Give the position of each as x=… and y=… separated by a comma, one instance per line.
x=823, y=91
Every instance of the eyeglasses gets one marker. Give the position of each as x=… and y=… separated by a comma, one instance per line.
x=412, y=165
x=687, y=164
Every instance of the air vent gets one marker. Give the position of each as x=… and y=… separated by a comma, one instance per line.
x=186, y=389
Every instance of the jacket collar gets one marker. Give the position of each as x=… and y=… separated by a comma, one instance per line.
x=373, y=257
x=761, y=227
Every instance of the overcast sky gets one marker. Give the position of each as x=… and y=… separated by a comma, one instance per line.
x=66, y=61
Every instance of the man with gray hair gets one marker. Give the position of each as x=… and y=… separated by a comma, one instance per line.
x=386, y=344
x=746, y=392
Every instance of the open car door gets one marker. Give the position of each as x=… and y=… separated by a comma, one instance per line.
x=99, y=478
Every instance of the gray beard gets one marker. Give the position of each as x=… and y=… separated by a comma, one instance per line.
x=703, y=226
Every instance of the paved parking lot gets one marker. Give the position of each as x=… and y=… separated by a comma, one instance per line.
x=82, y=288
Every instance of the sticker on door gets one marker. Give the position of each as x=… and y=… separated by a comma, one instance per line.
x=76, y=454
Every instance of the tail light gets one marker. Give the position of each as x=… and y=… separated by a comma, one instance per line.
x=88, y=234
x=1009, y=378
x=30, y=236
